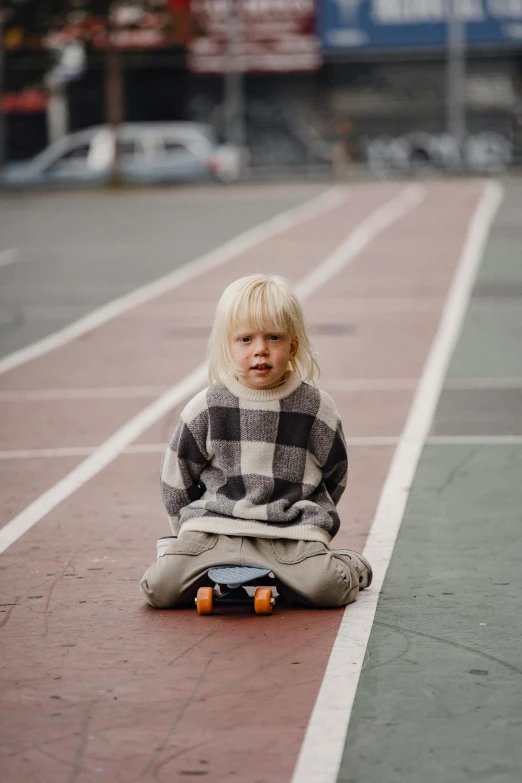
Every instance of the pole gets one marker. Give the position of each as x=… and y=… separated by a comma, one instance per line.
x=2, y=66
x=233, y=81
x=455, y=77
x=57, y=111
x=113, y=99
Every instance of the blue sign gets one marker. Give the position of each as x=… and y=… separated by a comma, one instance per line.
x=347, y=25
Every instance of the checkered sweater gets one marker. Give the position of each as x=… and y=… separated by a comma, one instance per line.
x=264, y=463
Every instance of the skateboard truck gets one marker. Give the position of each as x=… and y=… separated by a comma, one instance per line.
x=232, y=580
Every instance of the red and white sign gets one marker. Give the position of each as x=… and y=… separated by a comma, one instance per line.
x=272, y=36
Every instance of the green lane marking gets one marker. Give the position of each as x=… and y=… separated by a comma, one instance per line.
x=490, y=345
x=439, y=700
x=479, y=412
x=491, y=341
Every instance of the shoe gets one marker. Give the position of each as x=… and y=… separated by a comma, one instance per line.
x=163, y=544
x=360, y=564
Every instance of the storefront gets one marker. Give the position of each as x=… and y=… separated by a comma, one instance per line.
x=386, y=74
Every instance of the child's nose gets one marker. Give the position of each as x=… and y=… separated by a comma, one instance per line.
x=260, y=346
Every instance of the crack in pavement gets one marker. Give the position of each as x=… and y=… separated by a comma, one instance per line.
x=455, y=471
x=179, y=715
x=457, y=645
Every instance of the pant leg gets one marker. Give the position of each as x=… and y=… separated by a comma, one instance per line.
x=307, y=572
x=182, y=565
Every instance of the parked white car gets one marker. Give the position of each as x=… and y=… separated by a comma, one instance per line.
x=149, y=153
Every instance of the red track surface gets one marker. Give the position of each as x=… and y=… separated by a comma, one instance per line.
x=95, y=684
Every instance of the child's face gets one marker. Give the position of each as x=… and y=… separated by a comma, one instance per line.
x=262, y=356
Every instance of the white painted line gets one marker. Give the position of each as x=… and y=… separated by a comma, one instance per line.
x=77, y=451
x=474, y=440
x=254, y=236
x=146, y=448
x=359, y=440
x=123, y=437
x=333, y=384
x=373, y=440
x=64, y=451
x=381, y=219
x=101, y=457
x=369, y=384
x=371, y=304
x=323, y=746
x=100, y=393
x=488, y=384
x=362, y=440
x=158, y=448
x=8, y=257
x=406, y=384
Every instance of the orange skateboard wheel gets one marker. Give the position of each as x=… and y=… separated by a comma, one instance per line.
x=205, y=600
x=263, y=601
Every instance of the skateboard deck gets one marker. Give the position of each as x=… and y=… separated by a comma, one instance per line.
x=234, y=576
x=232, y=579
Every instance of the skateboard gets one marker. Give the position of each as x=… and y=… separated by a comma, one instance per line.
x=232, y=580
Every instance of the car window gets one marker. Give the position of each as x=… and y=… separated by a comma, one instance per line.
x=129, y=148
x=73, y=158
x=172, y=146
x=80, y=152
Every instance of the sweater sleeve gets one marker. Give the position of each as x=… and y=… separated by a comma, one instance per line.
x=335, y=470
x=329, y=448
x=184, y=460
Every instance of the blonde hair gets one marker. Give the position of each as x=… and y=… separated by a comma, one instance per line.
x=260, y=301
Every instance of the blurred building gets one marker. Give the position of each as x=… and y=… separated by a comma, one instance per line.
x=319, y=81
x=385, y=70
x=149, y=36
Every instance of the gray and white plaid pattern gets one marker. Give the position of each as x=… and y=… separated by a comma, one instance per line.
x=278, y=461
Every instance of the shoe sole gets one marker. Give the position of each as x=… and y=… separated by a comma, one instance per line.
x=370, y=571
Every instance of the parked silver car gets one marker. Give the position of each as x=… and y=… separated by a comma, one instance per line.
x=149, y=153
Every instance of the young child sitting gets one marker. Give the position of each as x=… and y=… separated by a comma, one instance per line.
x=257, y=463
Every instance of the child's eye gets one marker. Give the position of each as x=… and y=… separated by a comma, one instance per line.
x=244, y=339
x=274, y=337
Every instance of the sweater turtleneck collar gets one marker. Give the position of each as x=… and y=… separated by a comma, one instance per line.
x=260, y=395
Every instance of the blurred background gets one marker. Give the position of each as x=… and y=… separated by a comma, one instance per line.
x=253, y=88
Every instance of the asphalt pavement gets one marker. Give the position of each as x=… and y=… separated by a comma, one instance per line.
x=96, y=683
x=67, y=253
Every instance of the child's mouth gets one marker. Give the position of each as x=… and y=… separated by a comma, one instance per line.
x=262, y=369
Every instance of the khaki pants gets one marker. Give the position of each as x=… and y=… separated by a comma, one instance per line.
x=307, y=572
